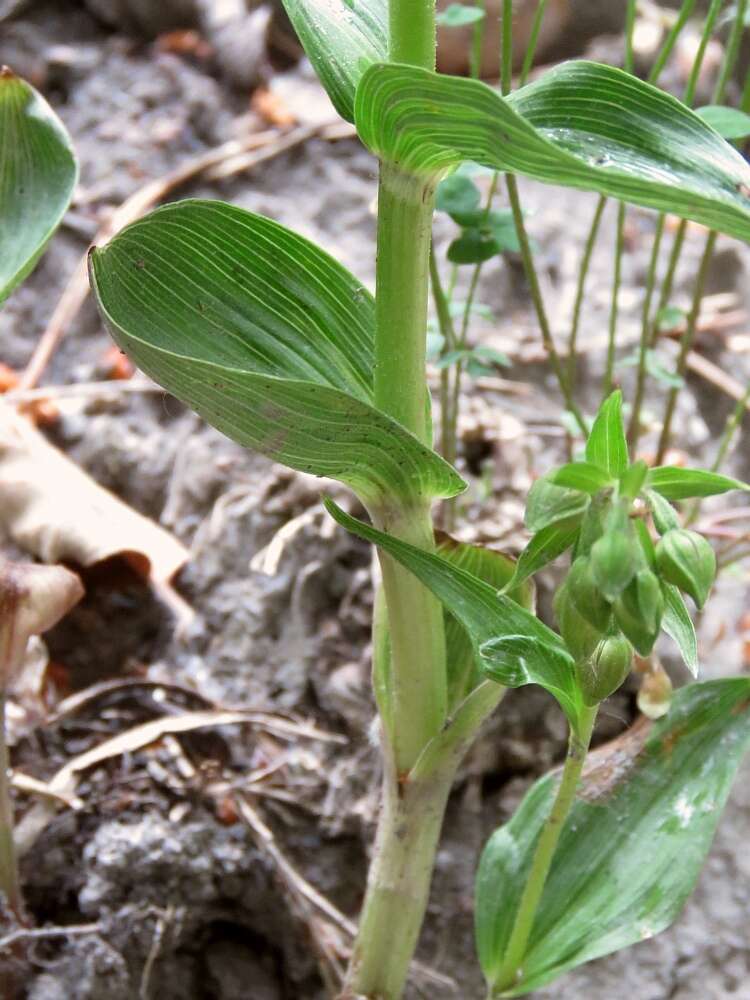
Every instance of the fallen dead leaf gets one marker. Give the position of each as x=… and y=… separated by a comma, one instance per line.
x=9, y=378
x=272, y=108
x=115, y=364
x=54, y=510
x=184, y=42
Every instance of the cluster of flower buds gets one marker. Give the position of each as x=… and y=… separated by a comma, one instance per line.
x=613, y=599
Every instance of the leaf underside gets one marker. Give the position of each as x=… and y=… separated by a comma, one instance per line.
x=38, y=173
x=581, y=125
x=633, y=846
x=267, y=337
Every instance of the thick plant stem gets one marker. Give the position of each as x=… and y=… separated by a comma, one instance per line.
x=411, y=684
x=404, y=234
x=408, y=832
x=398, y=885
x=545, y=850
x=10, y=884
x=411, y=32
x=417, y=702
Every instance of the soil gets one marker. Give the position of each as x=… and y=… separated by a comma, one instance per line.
x=179, y=896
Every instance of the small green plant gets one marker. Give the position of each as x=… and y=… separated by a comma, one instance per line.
x=278, y=346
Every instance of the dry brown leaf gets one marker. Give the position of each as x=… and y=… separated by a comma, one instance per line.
x=9, y=378
x=272, y=108
x=51, y=508
x=115, y=364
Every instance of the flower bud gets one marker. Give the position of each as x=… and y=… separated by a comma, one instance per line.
x=613, y=562
x=605, y=670
x=580, y=636
x=639, y=609
x=686, y=559
x=586, y=597
x=655, y=693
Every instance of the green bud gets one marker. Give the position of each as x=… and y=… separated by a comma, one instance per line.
x=586, y=597
x=579, y=636
x=605, y=670
x=686, y=559
x=613, y=562
x=639, y=609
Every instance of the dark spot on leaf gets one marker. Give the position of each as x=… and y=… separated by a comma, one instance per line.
x=140, y=264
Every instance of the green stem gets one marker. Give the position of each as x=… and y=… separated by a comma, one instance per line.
x=460, y=344
x=506, y=49
x=398, y=885
x=649, y=329
x=10, y=884
x=545, y=850
x=411, y=32
x=614, y=309
x=634, y=430
x=401, y=870
x=671, y=40
x=536, y=296
x=629, y=33
x=404, y=235
x=410, y=669
x=708, y=29
x=731, y=53
x=536, y=27
x=448, y=333
x=477, y=40
x=415, y=617
x=448, y=444
x=732, y=426
x=686, y=344
x=580, y=289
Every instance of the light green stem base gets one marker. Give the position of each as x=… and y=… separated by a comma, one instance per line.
x=404, y=856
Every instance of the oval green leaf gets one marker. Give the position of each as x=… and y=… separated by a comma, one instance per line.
x=678, y=625
x=38, y=173
x=634, y=842
x=267, y=337
x=730, y=123
x=582, y=125
x=606, y=446
x=675, y=483
x=545, y=546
